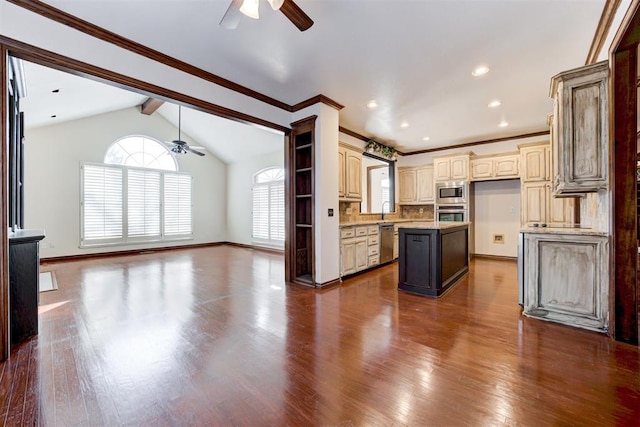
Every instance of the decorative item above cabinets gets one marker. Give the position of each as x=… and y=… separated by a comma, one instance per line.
x=580, y=130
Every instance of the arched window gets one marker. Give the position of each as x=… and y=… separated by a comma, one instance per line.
x=268, y=207
x=142, y=152
x=136, y=196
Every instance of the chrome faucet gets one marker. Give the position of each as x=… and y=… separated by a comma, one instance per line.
x=387, y=202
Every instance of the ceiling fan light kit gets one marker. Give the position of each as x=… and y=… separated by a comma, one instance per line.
x=249, y=8
x=179, y=146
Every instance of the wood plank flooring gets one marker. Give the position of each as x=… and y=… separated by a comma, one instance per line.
x=214, y=336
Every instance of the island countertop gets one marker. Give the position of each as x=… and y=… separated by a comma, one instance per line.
x=433, y=225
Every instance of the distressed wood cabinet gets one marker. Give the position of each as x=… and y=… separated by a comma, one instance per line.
x=539, y=206
x=535, y=162
x=452, y=168
x=349, y=174
x=494, y=167
x=416, y=185
x=359, y=248
x=580, y=129
x=566, y=279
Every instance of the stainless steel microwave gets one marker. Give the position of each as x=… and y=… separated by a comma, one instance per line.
x=452, y=192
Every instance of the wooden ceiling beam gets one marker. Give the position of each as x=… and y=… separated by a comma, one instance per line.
x=150, y=105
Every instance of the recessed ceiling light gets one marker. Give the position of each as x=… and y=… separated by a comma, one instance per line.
x=495, y=103
x=53, y=116
x=372, y=104
x=480, y=71
x=503, y=124
x=55, y=91
x=426, y=138
x=404, y=125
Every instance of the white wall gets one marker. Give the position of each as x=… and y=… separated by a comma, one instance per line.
x=239, y=195
x=52, y=178
x=497, y=211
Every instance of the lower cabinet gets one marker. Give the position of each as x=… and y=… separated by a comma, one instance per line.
x=566, y=279
x=359, y=249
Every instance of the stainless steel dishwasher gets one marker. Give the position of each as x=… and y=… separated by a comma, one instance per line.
x=386, y=243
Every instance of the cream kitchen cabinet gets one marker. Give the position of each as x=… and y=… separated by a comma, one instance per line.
x=407, y=185
x=358, y=248
x=566, y=279
x=416, y=185
x=580, y=129
x=539, y=206
x=452, y=168
x=495, y=167
x=349, y=174
x=534, y=162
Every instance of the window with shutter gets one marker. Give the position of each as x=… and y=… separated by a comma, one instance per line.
x=268, y=207
x=124, y=203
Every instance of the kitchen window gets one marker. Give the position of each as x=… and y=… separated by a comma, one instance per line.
x=140, y=198
x=268, y=207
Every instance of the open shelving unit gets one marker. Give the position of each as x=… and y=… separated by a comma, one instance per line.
x=301, y=168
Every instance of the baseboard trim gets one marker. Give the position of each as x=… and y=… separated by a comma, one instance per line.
x=81, y=257
x=495, y=257
x=256, y=248
x=329, y=283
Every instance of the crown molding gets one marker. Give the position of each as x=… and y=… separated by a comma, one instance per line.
x=602, y=30
x=315, y=100
x=486, y=141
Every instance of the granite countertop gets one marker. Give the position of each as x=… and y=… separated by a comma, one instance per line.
x=563, y=230
x=433, y=225
x=374, y=222
x=26, y=235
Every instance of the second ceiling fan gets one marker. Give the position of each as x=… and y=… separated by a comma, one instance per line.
x=292, y=11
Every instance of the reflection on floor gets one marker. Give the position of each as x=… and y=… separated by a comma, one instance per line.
x=214, y=336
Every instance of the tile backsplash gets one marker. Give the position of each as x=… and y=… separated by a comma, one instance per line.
x=350, y=212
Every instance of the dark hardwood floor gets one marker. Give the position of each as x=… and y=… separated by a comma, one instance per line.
x=214, y=336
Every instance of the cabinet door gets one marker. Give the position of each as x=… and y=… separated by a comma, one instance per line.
x=425, y=185
x=407, y=185
x=362, y=256
x=342, y=166
x=566, y=279
x=442, y=169
x=581, y=154
x=481, y=169
x=348, y=256
x=353, y=185
x=535, y=163
x=506, y=166
x=534, y=203
x=460, y=168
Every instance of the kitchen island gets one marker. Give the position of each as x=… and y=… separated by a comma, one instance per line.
x=433, y=256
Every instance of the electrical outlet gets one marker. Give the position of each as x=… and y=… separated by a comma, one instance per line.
x=512, y=210
x=421, y=210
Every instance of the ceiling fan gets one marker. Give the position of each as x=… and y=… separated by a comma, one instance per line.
x=179, y=146
x=292, y=11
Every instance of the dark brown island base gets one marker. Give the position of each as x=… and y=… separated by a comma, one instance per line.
x=433, y=256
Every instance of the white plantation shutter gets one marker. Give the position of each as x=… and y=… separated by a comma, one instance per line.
x=177, y=205
x=101, y=204
x=268, y=207
x=143, y=204
x=261, y=212
x=276, y=212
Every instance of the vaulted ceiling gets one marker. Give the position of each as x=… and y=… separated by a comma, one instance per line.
x=413, y=57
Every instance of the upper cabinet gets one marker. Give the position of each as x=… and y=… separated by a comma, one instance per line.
x=579, y=129
x=452, y=168
x=534, y=162
x=416, y=185
x=349, y=174
x=504, y=166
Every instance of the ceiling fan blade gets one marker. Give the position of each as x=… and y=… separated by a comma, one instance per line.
x=232, y=16
x=296, y=15
x=191, y=150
